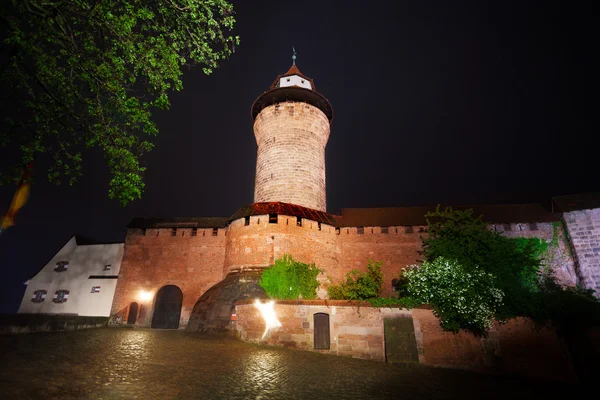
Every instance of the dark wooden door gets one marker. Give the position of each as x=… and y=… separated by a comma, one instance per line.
x=400, y=340
x=321, y=331
x=133, y=310
x=167, y=308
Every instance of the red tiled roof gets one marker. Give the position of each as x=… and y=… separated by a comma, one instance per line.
x=412, y=216
x=278, y=208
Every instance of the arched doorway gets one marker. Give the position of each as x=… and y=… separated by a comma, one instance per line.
x=167, y=308
x=321, y=331
x=133, y=311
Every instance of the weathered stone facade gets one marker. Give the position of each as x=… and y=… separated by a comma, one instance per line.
x=290, y=162
x=584, y=231
x=517, y=346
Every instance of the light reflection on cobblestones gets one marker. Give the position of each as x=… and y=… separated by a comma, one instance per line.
x=150, y=364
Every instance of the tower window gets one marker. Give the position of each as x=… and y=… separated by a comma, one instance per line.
x=39, y=296
x=408, y=229
x=272, y=218
x=506, y=227
x=61, y=266
x=194, y=231
x=360, y=230
x=215, y=231
x=174, y=232
x=299, y=221
x=319, y=226
x=247, y=221
x=533, y=226
x=384, y=229
x=61, y=296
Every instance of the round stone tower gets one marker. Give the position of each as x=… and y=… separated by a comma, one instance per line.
x=291, y=126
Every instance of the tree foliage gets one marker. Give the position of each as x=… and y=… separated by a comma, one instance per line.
x=359, y=285
x=459, y=236
x=462, y=298
x=288, y=279
x=89, y=73
x=462, y=243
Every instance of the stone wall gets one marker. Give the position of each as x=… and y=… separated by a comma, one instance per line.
x=517, y=347
x=354, y=332
x=290, y=162
x=154, y=258
x=584, y=231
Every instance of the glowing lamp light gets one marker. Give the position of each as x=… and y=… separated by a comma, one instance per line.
x=267, y=311
x=145, y=296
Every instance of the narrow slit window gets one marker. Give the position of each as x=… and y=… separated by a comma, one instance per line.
x=247, y=221
x=318, y=225
x=299, y=221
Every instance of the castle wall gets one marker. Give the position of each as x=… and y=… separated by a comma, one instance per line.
x=584, y=230
x=397, y=249
x=259, y=243
x=558, y=256
x=154, y=258
x=290, y=164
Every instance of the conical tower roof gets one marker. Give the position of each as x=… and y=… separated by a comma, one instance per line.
x=292, y=71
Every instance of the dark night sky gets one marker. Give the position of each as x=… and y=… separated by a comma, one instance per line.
x=434, y=101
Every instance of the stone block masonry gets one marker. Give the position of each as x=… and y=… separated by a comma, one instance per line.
x=290, y=164
x=516, y=347
x=583, y=227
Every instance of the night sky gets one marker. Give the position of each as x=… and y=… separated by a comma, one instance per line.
x=434, y=102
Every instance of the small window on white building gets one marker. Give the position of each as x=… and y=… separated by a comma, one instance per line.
x=107, y=267
x=39, y=296
x=61, y=296
x=61, y=266
x=95, y=289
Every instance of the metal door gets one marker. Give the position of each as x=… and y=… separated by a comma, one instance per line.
x=321, y=321
x=167, y=308
x=133, y=310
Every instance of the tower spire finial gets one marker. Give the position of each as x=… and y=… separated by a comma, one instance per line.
x=293, y=56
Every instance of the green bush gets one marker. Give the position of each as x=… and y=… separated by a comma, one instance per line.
x=462, y=298
x=515, y=264
x=288, y=279
x=359, y=285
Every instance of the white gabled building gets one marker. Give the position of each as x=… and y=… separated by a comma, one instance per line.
x=80, y=279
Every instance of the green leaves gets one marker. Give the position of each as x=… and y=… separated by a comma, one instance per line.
x=359, y=286
x=288, y=279
x=462, y=298
x=90, y=74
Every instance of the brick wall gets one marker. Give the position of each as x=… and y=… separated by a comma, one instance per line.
x=584, y=230
x=195, y=263
x=353, y=333
x=517, y=347
x=154, y=258
x=290, y=163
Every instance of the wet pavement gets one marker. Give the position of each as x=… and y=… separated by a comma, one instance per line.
x=120, y=363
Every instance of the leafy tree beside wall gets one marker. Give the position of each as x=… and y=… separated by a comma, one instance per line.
x=89, y=73
x=288, y=279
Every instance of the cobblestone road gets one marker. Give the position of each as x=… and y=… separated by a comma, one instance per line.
x=114, y=363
